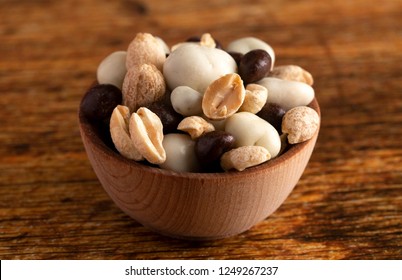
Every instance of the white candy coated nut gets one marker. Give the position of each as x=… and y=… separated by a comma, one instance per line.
x=146, y=131
x=112, y=69
x=186, y=101
x=195, y=126
x=287, y=94
x=246, y=44
x=196, y=66
x=255, y=99
x=163, y=44
x=244, y=157
x=143, y=85
x=180, y=153
x=292, y=73
x=300, y=123
x=250, y=130
x=120, y=134
x=145, y=48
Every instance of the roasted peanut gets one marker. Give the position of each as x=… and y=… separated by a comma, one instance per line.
x=244, y=157
x=146, y=132
x=223, y=97
x=300, y=123
x=255, y=98
x=119, y=130
x=195, y=126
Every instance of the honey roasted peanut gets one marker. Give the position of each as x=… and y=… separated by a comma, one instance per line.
x=195, y=126
x=223, y=97
x=119, y=130
x=255, y=98
x=146, y=131
x=244, y=157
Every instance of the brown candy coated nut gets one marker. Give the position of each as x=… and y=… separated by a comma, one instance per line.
x=254, y=65
x=169, y=117
x=272, y=113
x=210, y=146
x=100, y=101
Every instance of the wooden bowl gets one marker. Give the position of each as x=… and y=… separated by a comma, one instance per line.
x=195, y=205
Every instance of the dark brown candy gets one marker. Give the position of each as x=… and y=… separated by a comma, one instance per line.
x=236, y=56
x=254, y=65
x=169, y=117
x=272, y=113
x=210, y=147
x=99, y=102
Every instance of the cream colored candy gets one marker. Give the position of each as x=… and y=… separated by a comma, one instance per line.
x=186, y=101
x=180, y=153
x=287, y=94
x=112, y=69
x=250, y=130
x=196, y=66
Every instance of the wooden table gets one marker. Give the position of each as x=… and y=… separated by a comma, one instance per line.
x=348, y=203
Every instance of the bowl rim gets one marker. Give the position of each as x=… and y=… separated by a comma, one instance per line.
x=99, y=144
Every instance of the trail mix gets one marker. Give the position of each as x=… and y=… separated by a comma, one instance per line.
x=196, y=107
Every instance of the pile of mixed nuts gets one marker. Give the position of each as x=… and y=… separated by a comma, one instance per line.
x=196, y=107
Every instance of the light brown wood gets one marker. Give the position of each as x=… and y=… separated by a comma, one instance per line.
x=346, y=205
x=195, y=205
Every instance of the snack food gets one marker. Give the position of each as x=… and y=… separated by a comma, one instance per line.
x=200, y=106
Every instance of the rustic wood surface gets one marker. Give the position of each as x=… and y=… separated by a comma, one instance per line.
x=348, y=203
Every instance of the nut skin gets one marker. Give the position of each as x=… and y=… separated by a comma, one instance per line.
x=272, y=113
x=145, y=48
x=100, y=101
x=254, y=65
x=292, y=73
x=300, y=123
x=143, y=85
x=211, y=146
x=169, y=117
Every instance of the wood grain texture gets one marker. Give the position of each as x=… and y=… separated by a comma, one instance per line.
x=348, y=203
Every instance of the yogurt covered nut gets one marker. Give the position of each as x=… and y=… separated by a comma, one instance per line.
x=300, y=123
x=112, y=69
x=180, y=154
x=186, y=101
x=250, y=130
x=246, y=44
x=145, y=48
x=287, y=94
x=196, y=66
